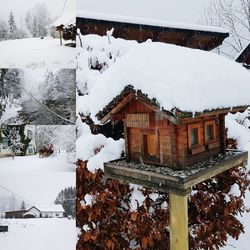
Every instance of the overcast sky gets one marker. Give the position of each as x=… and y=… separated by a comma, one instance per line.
x=20, y=8
x=171, y=10
x=36, y=188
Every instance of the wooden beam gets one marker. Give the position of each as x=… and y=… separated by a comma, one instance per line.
x=60, y=32
x=118, y=107
x=178, y=222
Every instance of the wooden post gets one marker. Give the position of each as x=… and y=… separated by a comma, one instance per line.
x=178, y=222
x=60, y=32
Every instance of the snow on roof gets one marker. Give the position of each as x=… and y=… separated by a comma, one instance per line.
x=66, y=19
x=50, y=208
x=143, y=21
x=187, y=79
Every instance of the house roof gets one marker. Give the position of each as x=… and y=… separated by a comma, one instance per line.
x=244, y=55
x=48, y=208
x=188, y=35
x=66, y=19
x=177, y=78
x=150, y=22
x=174, y=115
x=17, y=211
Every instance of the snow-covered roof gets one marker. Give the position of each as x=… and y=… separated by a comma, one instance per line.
x=49, y=208
x=186, y=79
x=66, y=19
x=143, y=21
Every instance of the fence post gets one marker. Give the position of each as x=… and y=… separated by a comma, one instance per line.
x=178, y=222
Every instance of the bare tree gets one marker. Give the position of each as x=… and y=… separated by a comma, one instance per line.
x=233, y=15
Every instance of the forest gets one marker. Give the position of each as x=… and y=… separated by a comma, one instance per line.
x=37, y=96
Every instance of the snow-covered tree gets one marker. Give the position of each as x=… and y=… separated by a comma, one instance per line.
x=3, y=30
x=28, y=20
x=37, y=20
x=10, y=86
x=67, y=199
x=233, y=15
x=12, y=26
x=23, y=205
x=62, y=137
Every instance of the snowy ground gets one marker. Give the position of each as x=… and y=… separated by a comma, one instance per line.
x=57, y=163
x=39, y=234
x=36, y=52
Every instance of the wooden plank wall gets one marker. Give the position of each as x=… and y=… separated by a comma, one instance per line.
x=172, y=140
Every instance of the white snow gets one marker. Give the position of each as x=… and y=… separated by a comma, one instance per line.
x=237, y=131
x=243, y=139
x=39, y=234
x=87, y=144
x=112, y=150
x=137, y=197
x=66, y=19
x=36, y=52
x=187, y=79
x=34, y=164
x=88, y=199
x=11, y=110
x=50, y=208
x=144, y=21
x=235, y=190
x=243, y=242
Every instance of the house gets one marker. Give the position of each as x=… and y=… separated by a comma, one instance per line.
x=18, y=134
x=244, y=56
x=51, y=211
x=139, y=29
x=172, y=102
x=18, y=214
x=64, y=27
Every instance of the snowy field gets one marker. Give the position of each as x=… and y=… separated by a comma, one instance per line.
x=36, y=52
x=57, y=163
x=39, y=234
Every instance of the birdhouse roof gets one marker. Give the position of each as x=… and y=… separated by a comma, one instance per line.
x=176, y=78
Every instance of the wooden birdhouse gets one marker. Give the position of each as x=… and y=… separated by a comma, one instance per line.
x=173, y=139
x=174, y=120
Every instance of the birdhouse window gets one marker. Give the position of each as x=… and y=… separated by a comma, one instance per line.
x=194, y=135
x=209, y=131
x=194, y=138
x=150, y=145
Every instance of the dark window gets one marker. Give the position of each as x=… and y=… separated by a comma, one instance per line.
x=209, y=132
x=194, y=136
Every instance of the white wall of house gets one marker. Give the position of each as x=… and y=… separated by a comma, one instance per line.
x=52, y=214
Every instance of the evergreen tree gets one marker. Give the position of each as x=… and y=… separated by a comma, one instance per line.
x=67, y=199
x=23, y=205
x=3, y=30
x=12, y=26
